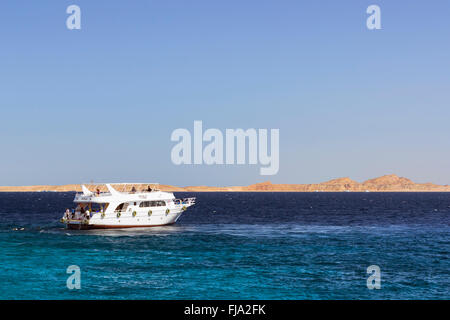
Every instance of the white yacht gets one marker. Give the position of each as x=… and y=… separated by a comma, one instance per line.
x=124, y=205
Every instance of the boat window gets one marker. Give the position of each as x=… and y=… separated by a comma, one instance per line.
x=157, y=203
x=144, y=204
x=160, y=203
x=122, y=207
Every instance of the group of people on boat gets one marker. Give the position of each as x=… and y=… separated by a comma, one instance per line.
x=79, y=214
x=133, y=189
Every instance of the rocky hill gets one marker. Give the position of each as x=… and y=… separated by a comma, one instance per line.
x=381, y=184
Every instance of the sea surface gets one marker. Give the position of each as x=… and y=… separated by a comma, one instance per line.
x=235, y=246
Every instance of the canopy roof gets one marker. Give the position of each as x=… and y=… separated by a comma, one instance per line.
x=120, y=187
x=120, y=183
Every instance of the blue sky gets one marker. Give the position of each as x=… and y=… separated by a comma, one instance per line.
x=100, y=103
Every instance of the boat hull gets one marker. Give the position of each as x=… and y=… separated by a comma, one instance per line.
x=125, y=221
x=79, y=226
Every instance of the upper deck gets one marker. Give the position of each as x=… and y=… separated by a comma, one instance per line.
x=120, y=192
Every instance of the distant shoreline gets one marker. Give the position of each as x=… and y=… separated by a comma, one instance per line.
x=387, y=183
x=250, y=191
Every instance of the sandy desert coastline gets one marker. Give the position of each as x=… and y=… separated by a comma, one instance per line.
x=392, y=183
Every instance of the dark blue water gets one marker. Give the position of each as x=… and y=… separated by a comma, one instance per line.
x=235, y=246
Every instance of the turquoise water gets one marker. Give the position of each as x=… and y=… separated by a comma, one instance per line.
x=235, y=246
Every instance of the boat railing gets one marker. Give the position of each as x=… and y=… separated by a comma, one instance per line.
x=185, y=201
x=93, y=195
x=139, y=191
x=77, y=216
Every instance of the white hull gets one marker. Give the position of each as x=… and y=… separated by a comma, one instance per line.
x=126, y=220
x=127, y=210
